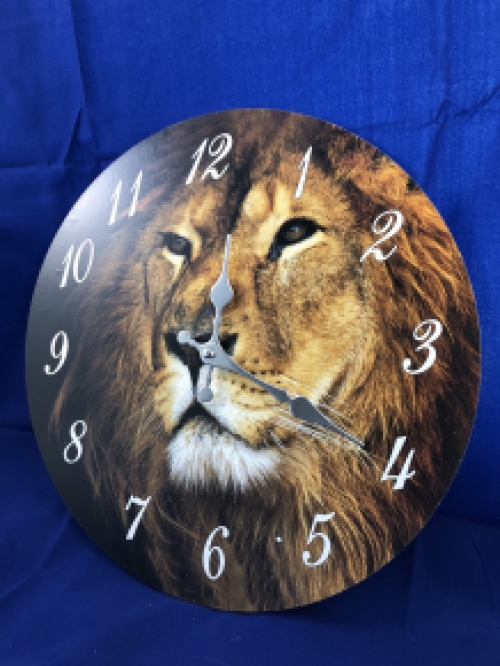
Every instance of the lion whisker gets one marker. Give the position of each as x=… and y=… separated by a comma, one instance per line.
x=328, y=438
x=276, y=439
x=328, y=408
x=321, y=434
x=335, y=412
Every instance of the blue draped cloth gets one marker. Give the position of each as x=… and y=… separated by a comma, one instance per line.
x=80, y=83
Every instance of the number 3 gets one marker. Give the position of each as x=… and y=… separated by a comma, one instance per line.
x=428, y=336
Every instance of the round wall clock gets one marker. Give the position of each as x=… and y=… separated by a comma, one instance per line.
x=253, y=360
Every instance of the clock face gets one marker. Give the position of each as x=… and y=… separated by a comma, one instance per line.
x=253, y=360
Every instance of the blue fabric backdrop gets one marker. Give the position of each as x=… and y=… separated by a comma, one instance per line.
x=80, y=83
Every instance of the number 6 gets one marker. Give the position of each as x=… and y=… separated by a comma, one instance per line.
x=208, y=550
x=306, y=555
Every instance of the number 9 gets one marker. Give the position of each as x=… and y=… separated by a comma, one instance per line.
x=62, y=354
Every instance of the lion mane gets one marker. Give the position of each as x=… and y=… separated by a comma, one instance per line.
x=116, y=332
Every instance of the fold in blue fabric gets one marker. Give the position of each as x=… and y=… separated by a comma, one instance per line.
x=82, y=82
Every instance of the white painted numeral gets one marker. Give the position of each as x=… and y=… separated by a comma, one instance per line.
x=394, y=223
x=197, y=155
x=208, y=551
x=306, y=555
x=68, y=261
x=60, y=355
x=428, y=336
x=405, y=474
x=143, y=503
x=115, y=198
x=303, y=166
x=219, y=147
x=135, y=194
x=76, y=443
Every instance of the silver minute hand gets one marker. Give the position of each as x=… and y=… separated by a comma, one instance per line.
x=211, y=353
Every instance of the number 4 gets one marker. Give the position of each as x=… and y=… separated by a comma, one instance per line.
x=401, y=478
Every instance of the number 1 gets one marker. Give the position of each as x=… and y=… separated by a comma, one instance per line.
x=115, y=198
x=304, y=165
x=135, y=192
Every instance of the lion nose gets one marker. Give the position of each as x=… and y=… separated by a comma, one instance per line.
x=228, y=343
x=190, y=356
x=186, y=354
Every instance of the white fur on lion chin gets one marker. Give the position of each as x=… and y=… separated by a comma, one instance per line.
x=201, y=454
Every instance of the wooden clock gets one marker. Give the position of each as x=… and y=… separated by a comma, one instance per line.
x=253, y=360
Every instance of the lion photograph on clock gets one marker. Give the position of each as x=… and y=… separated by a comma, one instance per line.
x=308, y=316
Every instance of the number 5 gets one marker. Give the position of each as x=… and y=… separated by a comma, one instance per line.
x=306, y=555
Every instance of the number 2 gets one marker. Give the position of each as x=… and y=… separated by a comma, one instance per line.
x=393, y=225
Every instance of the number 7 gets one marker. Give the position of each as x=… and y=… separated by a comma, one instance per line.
x=135, y=524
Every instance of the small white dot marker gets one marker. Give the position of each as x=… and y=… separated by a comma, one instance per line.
x=279, y=540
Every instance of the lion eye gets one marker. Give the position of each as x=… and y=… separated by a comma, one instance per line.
x=293, y=231
x=176, y=244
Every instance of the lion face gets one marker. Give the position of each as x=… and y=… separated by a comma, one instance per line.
x=301, y=319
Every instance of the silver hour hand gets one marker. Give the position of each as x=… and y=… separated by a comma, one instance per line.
x=221, y=295
x=303, y=409
x=211, y=353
